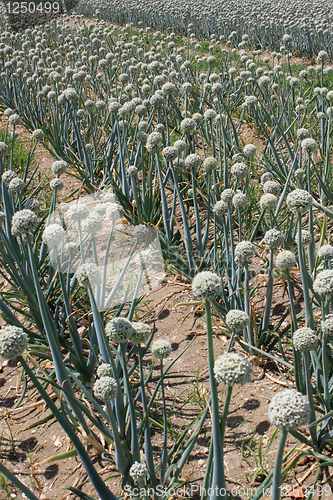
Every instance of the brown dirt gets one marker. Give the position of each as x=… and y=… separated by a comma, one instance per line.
x=166, y=307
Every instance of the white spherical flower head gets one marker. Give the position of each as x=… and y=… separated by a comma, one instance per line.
x=305, y=339
x=105, y=388
x=119, y=330
x=268, y=202
x=161, y=349
x=3, y=148
x=210, y=163
x=309, y=145
x=104, y=370
x=237, y=320
x=141, y=233
x=154, y=139
x=16, y=185
x=14, y=120
x=327, y=325
x=289, y=410
x=267, y=176
x=144, y=259
x=53, y=235
x=93, y=224
x=264, y=82
x=170, y=153
x=239, y=200
x=77, y=212
x=180, y=145
x=8, y=176
x=299, y=201
x=110, y=198
x=244, y=252
x=210, y=114
x=302, y=133
x=141, y=332
x=273, y=238
x=188, y=125
x=285, y=260
x=192, y=161
x=325, y=252
x=271, y=187
x=114, y=211
x=220, y=208
x=23, y=222
x=232, y=369
x=306, y=237
x=13, y=341
x=227, y=195
x=59, y=167
x=138, y=471
x=207, y=285
x=239, y=170
x=56, y=184
x=32, y=204
x=88, y=275
x=250, y=150
x=323, y=284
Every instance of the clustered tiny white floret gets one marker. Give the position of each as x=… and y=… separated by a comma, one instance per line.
x=144, y=259
x=16, y=185
x=250, y=150
x=268, y=202
x=327, y=325
x=239, y=200
x=56, y=184
x=267, y=176
x=323, y=284
x=220, y=208
x=7, y=176
x=237, y=320
x=118, y=330
x=239, y=170
x=113, y=211
x=192, y=161
x=299, y=201
x=88, y=275
x=93, y=224
x=232, y=369
x=207, y=285
x=309, y=145
x=23, y=222
x=244, y=252
x=138, y=471
x=59, y=167
x=140, y=333
x=285, y=260
x=227, y=195
x=53, y=235
x=104, y=370
x=306, y=237
x=325, y=252
x=271, y=187
x=142, y=233
x=273, y=238
x=105, y=388
x=289, y=410
x=13, y=341
x=78, y=212
x=305, y=339
x=210, y=163
x=161, y=349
